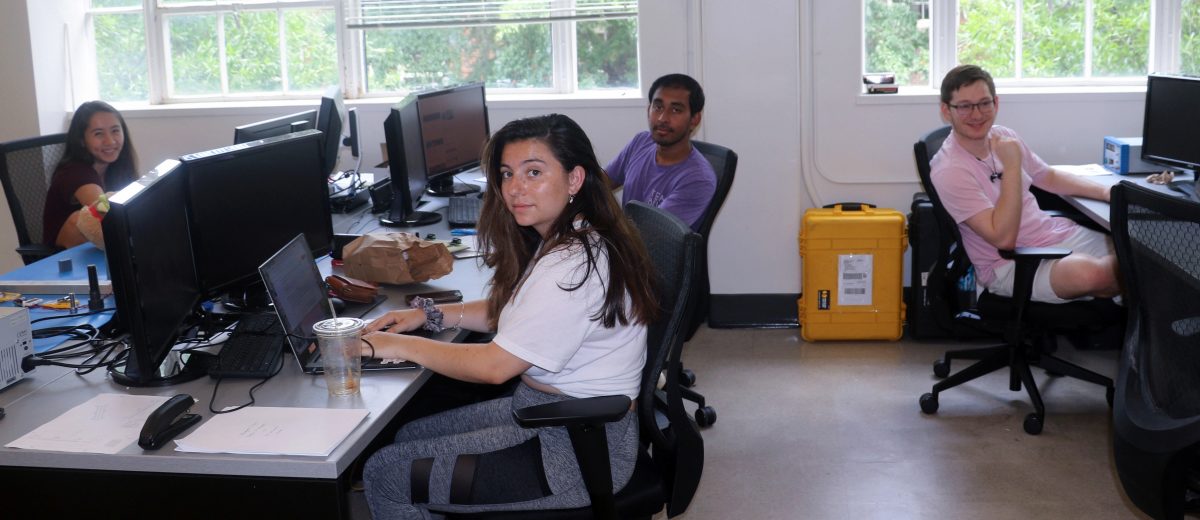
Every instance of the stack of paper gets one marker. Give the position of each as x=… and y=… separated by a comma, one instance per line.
x=107, y=423
x=1085, y=170
x=260, y=430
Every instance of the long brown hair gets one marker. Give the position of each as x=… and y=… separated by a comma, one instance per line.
x=509, y=248
x=119, y=173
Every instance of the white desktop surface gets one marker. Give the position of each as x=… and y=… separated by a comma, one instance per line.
x=50, y=391
x=1098, y=210
x=383, y=394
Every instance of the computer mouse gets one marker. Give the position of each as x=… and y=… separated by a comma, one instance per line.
x=338, y=304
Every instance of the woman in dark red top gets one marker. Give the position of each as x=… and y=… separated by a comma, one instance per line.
x=99, y=158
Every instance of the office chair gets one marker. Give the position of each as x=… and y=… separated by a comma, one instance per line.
x=1027, y=328
x=724, y=164
x=1156, y=417
x=669, y=465
x=25, y=169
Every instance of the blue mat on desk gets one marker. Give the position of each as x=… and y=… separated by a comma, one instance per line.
x=45, y=276
x=43, y=279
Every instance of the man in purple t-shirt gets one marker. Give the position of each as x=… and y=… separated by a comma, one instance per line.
x=983, y=174
x=660, y=167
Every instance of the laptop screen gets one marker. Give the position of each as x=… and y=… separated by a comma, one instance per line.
x=298, y=293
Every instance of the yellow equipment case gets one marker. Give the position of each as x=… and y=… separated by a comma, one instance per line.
x=853, y=264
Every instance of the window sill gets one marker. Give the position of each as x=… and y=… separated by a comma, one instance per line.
x=593, y=99
x=924, y=95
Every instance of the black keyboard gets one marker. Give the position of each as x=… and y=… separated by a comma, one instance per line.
x=464, y=211
x=254, y=349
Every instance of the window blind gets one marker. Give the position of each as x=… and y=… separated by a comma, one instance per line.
x=372, y=14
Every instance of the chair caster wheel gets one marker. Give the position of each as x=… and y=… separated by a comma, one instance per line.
x=1033, y=425
x=687, y=378
x=706, y=416
x=941, y=368
x=929, y=403
x=1110, y=394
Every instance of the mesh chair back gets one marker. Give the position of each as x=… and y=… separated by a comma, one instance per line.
x=25, y=169
x=1157, y=237
x=952, y=261
x=678, y=449
x=724, y=163
x=673, y=248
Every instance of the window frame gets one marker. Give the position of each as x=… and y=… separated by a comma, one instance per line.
x=1164, y=51
x=350, y=53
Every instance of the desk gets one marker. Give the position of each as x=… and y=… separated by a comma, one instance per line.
x=170, y=484
x=1098, y=211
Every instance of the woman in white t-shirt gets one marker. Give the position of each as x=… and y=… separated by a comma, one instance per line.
x=570, y=299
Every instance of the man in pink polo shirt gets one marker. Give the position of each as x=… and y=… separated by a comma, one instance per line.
x=983, y=173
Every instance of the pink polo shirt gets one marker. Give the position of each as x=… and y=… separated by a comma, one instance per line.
x=963, y=183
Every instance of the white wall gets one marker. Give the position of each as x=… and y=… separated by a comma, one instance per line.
x=782, y=79
x=20, y=116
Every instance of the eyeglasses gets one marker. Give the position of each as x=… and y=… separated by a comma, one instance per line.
x=964, y=109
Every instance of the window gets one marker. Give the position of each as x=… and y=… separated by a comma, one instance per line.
x=1032, y=42
x=206, y=50
x=523, y=45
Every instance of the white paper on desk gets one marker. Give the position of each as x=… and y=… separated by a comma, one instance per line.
x=261, y=430
x=107, y=423
x=1083, y=170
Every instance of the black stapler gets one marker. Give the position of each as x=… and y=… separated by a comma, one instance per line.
x=167, y=421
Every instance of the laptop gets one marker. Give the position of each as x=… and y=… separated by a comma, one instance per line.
x=300, y=298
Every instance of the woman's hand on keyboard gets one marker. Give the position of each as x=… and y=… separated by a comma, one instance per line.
x=398, y=321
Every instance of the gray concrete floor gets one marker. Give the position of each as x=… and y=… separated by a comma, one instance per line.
x=833, y=430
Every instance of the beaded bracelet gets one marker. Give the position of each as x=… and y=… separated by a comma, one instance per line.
x=462, y=309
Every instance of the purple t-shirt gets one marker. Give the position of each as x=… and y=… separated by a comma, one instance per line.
x=965, y=186
x=683, y=189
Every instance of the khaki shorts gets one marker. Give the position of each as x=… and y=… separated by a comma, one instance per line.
x=1084, y=241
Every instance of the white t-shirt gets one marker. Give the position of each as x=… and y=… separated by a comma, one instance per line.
x=553, y=329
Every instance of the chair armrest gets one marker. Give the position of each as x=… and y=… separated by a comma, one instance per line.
x=33, y=252
x=584, y=419
x=603, y=409
x=1034, y=253
x=1027, y=260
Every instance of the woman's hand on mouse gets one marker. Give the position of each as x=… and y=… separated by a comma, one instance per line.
x=398, y=321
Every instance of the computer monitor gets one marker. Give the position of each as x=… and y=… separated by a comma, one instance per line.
x=153, y=275
x=1170, y=120
x=330, y=118
x=406, y=165
x=352, y=140
x=306, y=120
x=453, y=128
x=246, y=201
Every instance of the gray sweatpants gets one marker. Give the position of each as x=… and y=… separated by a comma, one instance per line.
x=483, y=428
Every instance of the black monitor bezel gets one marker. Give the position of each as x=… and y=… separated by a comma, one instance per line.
x=275, y=126
x=406, y=166
x=441, y=183
x=331, y=117
x=136, y=270
x=207, y=243
x=1150, y=146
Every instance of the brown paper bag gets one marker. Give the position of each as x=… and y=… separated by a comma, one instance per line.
x=396, y=258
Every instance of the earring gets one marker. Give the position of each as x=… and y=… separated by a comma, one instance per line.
x=570, y=198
